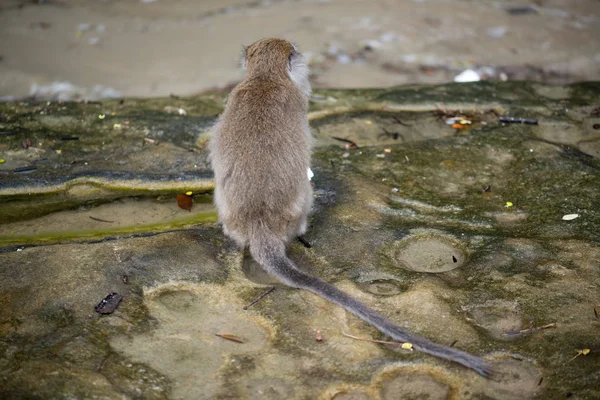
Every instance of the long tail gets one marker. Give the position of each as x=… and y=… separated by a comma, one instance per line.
x=270, y=253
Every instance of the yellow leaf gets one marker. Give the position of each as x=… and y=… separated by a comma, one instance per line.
x=2, y=161
x=585, y=352
x=508, y=204
x=407, y=346
x=59, y=151
x=188, y=193
x=101, y=116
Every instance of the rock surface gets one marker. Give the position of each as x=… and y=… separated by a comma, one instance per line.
x=455, y=233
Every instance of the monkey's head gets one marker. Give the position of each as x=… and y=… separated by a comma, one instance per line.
x=277, y=57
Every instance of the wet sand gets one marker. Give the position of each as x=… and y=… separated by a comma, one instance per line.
x=66, y=49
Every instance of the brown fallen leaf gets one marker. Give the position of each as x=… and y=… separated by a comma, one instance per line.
x=184, y=201
x=109, y=304
x=227, y=336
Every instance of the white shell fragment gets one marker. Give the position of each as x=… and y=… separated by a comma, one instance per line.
x=468, y=75
x=570, y=217
x=309, y=173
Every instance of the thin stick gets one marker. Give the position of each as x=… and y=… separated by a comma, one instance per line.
x=350, y=142
x=529, y=330
x=372, y=340
x=398, y=120
x=100, y=220
x=260, y=297
x=227, y=336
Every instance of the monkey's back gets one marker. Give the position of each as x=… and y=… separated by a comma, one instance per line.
x=260, y=152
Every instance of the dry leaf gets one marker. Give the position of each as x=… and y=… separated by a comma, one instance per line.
x=583, y=352
x=109, y=304
x=184, y=201
x=227, y=336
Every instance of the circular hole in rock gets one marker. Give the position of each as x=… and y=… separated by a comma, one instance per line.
x=499, y=319
x=351, y=395
x=382, y=287
x=414, y=386
x=430, y=255
x=177, y=300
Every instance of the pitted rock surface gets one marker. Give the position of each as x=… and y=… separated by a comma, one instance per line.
x=455, y=234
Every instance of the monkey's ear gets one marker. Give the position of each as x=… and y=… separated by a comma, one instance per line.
x=298, y=71
x=243, y=58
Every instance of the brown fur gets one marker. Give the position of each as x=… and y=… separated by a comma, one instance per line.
x=261, y=149
x=260, y=154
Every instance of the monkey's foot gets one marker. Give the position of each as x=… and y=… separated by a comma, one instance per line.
x=305, y=242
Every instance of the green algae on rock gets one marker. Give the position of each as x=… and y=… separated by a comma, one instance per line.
x=391, y=217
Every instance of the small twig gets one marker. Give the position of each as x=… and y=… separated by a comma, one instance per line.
x=260, y=297
x=531, y=329
x=596, y=313
x=398, y=120
x=227, y=336
x=100, y=220
x=453, y=343
x=372, y=340
x=352, y=145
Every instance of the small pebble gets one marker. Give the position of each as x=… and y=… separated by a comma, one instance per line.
x=467, y=75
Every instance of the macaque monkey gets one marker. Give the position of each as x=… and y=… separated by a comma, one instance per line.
x=260, y=153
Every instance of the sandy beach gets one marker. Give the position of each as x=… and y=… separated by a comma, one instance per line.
x=65, y=49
